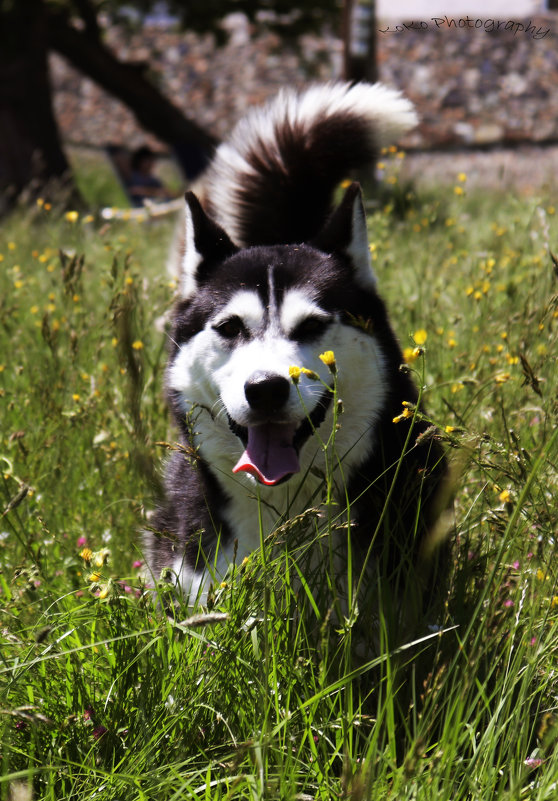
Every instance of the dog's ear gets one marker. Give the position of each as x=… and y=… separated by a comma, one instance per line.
x=206, y=245
x=345, y=232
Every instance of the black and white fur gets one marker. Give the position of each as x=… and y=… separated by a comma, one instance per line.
x=272, y=277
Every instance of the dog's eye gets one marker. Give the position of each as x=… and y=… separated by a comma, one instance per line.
x=310, y=328
x=231, y=328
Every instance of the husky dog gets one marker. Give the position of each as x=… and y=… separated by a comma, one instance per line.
x=272, y=278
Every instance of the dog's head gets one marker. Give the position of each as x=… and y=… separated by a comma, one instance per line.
x=246, y=316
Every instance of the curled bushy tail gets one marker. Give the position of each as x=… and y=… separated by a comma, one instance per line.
x=273, y=180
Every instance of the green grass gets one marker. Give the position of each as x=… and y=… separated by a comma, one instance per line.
x=96, y=180
x=104, y=696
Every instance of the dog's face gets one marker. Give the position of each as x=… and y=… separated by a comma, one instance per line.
x=247, y=316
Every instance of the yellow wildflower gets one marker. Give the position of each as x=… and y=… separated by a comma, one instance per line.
x=406, y=413
x=137, y=345
x=86, y=554
x=420, y=336
x=410, y=354
x=328, y=358
x=309, y=373
x=100, y=557
x=294, y=373
x=71, y=216
x=501, y=378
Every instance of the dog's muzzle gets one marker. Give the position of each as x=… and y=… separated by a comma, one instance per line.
x=272, y=446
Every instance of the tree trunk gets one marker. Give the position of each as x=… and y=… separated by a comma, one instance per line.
x=30, y=152
x=154, y=112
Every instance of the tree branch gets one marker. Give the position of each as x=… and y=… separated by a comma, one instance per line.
x=152, y=109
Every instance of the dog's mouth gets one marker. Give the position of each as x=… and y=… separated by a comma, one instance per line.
x=271, y=449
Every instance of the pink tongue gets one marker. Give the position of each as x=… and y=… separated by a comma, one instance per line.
x=270, y=454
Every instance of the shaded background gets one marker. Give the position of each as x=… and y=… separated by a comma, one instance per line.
x=472, y=87
x=483, y=76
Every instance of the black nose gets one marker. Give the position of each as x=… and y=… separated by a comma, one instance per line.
x=267, y=392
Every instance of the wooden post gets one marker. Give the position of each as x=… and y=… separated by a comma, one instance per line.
x=359, y=37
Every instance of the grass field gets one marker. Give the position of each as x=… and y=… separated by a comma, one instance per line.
x=103, y=696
